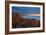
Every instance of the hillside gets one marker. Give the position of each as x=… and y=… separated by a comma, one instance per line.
x=20, y=22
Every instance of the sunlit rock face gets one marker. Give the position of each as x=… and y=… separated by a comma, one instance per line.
x=20, y=22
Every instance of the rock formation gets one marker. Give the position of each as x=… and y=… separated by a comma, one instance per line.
x=20, y=22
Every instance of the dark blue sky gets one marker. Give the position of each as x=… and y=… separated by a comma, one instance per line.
x=27, y=10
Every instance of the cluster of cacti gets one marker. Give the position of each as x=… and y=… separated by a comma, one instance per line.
x=20, y=22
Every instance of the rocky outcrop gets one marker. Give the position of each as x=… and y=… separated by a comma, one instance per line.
x=20, y=22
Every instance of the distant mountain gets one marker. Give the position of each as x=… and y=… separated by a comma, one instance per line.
x=20, y=22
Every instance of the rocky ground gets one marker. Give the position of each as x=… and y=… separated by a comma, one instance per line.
x=20, y=22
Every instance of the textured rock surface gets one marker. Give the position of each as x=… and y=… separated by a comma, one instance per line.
x=20, y=22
